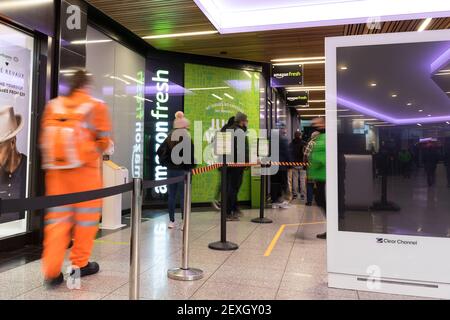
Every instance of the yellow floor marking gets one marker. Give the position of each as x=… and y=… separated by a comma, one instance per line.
x=280, y=231
x=274, y=241
x=304, y=224
x=111, y=242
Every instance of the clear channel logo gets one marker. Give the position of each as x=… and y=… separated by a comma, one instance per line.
x=396, y=241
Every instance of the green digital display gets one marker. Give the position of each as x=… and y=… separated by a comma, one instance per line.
x=215, y=94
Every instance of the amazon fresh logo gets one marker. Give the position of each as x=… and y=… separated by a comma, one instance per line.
x=379, y=240
x=281, y=75
x=297, y=98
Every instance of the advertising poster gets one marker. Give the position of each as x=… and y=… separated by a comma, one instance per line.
x=213, y=95
x=15, y=90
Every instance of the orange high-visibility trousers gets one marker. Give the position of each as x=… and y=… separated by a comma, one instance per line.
x=78, y=221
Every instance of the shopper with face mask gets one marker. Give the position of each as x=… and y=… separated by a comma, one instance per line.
x=235, y=174
x=317, y=167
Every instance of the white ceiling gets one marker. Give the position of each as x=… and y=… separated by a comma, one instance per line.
x=230, y=16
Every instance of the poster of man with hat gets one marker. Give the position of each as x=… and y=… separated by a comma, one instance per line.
x=16, y=67
x=13, y=164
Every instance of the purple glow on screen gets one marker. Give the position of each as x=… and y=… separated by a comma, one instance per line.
x=174, y=89
x=371, y=111
x=441, y=60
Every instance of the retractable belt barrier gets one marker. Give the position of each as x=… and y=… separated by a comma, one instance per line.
x=45, y=202
x=137, y=187
x=212, y=167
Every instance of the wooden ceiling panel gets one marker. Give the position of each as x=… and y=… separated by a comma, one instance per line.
x=151, y=17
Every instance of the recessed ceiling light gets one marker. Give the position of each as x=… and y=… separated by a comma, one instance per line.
x=409, y=104
x=310, y=109
x=297, y=59
x=442, y=74
x=373, y=84
x=343, y=68
x=248, y=73
x=311, y=88
x=429, y=115
x=420, y=110
x=424, y=24
x=297, y=63
x=448, y=122
x=178, y=35
x=394, y=95
x=90, y=41
x=419, y=124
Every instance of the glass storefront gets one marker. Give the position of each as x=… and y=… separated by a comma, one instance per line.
x=16, y=73
x=213, y=95
x=119, y=78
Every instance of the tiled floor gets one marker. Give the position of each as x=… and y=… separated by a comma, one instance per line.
x=296, y=268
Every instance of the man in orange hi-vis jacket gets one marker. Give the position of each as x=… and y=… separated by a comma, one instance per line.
x=75, y=131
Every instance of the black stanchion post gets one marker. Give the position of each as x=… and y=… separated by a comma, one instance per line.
x=223, y=244
x=262, y=200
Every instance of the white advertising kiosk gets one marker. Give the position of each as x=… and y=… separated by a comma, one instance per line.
x=393, y=82
x=113, y=175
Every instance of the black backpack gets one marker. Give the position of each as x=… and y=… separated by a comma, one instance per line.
x=164, y=154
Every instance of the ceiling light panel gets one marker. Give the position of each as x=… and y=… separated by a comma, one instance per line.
x=230, y=16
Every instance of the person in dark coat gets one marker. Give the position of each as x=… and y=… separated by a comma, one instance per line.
x=297, y=147
x=235, y=174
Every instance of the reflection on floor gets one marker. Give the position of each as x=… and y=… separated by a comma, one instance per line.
x=295, y=269
x=425, y=211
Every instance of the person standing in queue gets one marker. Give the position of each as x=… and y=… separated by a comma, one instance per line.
x=75, y=131
x=306, y=154
x=282, y=195
x=317, y=167
x=235, y=174
x=179, y=136
x=298, y=173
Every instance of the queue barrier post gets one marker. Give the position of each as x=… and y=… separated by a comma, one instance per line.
x=262, y=200
x=185, y=273
x=223, y=244
x=136, y=214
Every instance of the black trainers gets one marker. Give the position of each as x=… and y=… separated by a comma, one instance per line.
x=89, y=269
x=54, y=282
x=322, y=235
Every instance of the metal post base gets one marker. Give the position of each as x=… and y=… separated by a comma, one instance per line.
x=185, y=274
x=223, y=246
x=262, y=220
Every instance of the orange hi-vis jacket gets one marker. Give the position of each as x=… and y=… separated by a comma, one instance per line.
x=77, y=221
x=95, y=131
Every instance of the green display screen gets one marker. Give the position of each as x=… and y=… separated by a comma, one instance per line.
x=214, y=95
